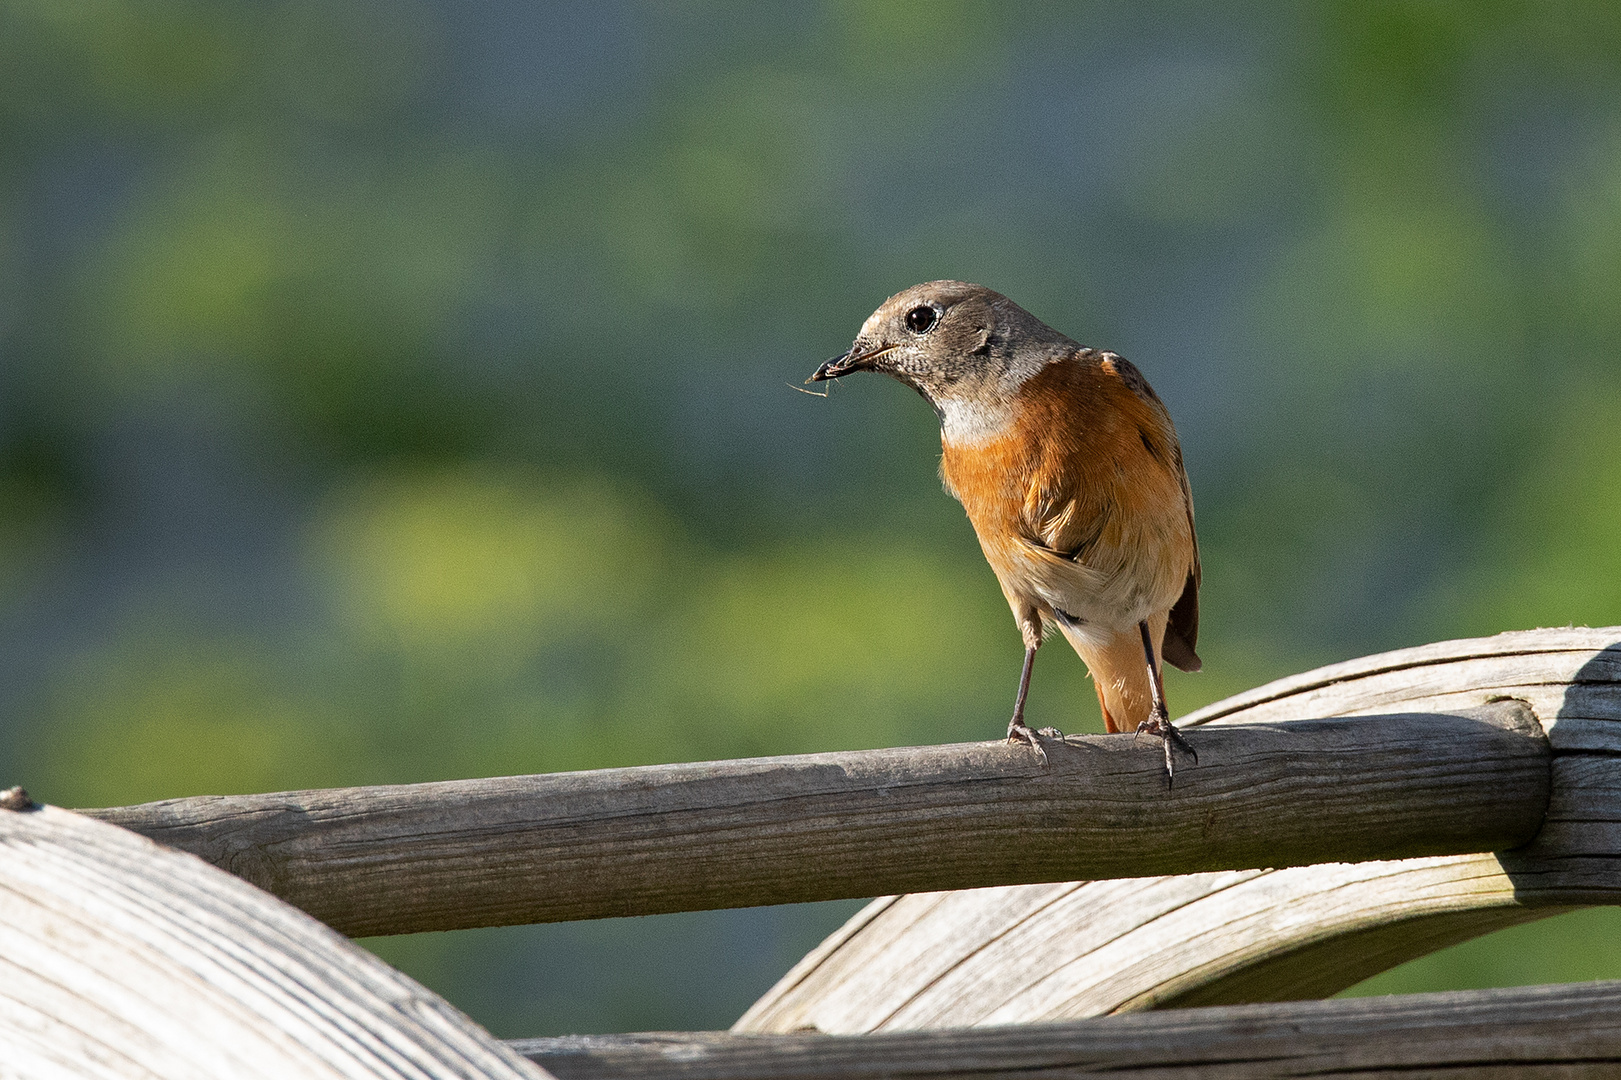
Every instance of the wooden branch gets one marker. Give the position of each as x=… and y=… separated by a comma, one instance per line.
x=119, y=958
x=1548, y=1031
x=823, y=826
x=1049, y=952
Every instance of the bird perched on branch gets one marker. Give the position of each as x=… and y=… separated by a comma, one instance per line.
x=1071, y=473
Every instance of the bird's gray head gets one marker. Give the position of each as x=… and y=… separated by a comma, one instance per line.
x=951, y=341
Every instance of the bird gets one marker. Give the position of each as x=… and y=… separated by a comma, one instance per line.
x=1070, y=471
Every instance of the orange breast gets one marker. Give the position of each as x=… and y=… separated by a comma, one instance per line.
x=1088, y=469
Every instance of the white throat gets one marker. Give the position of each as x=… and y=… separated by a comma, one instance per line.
x=972, y=418
x=966, y=422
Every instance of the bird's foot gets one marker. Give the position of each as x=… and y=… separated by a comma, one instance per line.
x=1170, y=739
x=1019, y=731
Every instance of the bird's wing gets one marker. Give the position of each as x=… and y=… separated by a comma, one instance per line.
x=1182, y=631
x=1067, y=522
x=1103, y=540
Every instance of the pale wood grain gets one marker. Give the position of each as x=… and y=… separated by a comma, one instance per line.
x=1049, y=952
x=1551, y=1031
x=826, y=826
x=120, y=959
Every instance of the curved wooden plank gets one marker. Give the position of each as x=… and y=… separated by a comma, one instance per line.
x=1559, y=1032
x=828, y=826
x=1049, y=952
x=122, y=959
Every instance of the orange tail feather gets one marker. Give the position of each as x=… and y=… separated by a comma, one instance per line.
x=1120, y=673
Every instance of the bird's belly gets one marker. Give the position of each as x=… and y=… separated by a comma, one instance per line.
x=1142, y=585
x=1113, y=588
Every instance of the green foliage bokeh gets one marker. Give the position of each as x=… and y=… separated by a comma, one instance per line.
x=401, y=392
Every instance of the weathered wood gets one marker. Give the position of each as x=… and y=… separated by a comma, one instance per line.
x=825, y=826
x=1548, y=1031
x=1049, y=952
x=119, y=958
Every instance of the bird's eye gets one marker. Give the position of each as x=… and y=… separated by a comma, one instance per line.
x=920, y=320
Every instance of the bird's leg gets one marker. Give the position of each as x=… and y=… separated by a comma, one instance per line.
x=1017, y=729
x=1159, y=720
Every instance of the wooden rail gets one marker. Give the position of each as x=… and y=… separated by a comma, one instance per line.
x=120, y=959
x=439, y=856
x=1051, y=952
x=145, y=961
x=1562, y=1032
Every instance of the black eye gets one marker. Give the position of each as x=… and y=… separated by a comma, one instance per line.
x=920, y=320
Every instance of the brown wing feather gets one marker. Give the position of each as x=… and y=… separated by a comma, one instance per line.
x=1182, y=631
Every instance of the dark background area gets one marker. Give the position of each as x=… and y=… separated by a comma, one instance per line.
x=393, y=392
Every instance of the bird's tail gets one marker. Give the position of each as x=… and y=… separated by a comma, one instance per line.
x=1119, y=670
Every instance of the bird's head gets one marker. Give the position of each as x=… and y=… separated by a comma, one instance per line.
x=951, y=342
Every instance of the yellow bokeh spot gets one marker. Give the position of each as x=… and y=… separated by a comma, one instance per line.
x=497, y=560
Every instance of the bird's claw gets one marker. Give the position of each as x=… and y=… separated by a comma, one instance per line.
x=1170, y=739
x=1018, y=731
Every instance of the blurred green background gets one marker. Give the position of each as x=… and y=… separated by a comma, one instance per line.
x=402, y=391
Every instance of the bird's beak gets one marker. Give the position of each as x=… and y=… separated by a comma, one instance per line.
x=856, y=359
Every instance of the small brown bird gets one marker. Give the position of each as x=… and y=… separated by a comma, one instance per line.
x=1071, y=473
